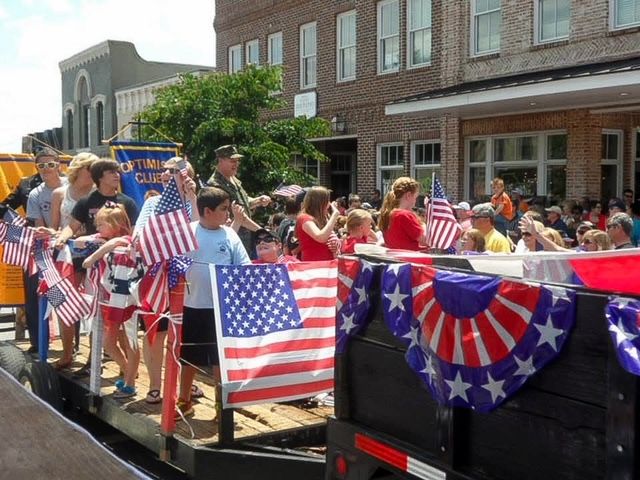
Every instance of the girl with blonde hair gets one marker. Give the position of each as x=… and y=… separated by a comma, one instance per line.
x=400, y=226
x=595, y=241
x=314, y=226
x=359, y=224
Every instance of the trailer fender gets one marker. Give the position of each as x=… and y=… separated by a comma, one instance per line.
x=12, y=359
x=41, y=379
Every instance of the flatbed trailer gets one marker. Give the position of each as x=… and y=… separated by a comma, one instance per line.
x=574, y=419
x=270, y=441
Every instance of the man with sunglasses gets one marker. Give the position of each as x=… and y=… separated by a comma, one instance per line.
x=483, y=219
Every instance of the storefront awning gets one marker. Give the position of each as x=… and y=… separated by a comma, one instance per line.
x=612, y=84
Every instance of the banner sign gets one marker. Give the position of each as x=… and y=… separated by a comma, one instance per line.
x=141, y=166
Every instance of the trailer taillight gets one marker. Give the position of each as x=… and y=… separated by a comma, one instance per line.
x=341, y=465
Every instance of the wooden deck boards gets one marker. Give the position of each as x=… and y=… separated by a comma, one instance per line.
x=249, y=421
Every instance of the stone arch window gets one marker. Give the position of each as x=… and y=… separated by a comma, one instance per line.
x=97, y=104
x=69, y=127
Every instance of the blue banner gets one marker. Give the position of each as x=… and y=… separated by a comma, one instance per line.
x=141, y=166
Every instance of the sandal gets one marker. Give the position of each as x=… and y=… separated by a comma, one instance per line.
x=62, y=365
x=196, y=391
x=183, y=409
x=153, y=397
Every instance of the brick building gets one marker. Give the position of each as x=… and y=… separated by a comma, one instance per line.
x=544, y=93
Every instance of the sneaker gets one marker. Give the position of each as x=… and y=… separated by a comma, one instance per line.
x=153, y=396
x=119, y=384
x=196, y=391
x=125, y=392
x=183, y=409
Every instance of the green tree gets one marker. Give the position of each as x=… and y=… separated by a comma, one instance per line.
x=217, y=109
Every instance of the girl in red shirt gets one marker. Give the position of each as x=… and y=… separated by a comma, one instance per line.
x=401, y=227
x=314, y=226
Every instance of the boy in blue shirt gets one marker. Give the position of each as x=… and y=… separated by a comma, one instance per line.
x=220, y=245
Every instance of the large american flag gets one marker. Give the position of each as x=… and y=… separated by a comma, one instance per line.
x=276, y=330
x=442, y=227
x=167, y=233
x=17, y=245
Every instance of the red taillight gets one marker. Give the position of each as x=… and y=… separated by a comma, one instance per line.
x=341, y=465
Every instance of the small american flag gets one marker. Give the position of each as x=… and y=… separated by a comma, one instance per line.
x=288, y=190
x=152, y=292
x=11, y=216
x=45, y=265
x=276, y=330
x=68, y=303
x=17, y=245
x=167, y=233
x=442, y=227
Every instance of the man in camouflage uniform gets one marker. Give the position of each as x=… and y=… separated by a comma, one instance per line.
x=225, y=177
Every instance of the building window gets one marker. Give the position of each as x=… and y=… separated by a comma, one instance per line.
x=535, y=163
x=419, y=33
x=346, y=42
x=625, y=13
x=306, y=165
x=274, y=49
x=308, y=55
x=552, y=20
x=86, y=125
x=425, y=161
x=611, y=164
x=388, y=36
x=100, y=122
x=252, y=52
x=485, y=27
x=390, y=165
x=235, y=58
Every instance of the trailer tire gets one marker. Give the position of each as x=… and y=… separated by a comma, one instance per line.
x=41, y=379
x=12, y=359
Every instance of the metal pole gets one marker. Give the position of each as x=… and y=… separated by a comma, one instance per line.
x=43, y=329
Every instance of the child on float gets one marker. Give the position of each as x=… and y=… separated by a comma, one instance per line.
x=501, y=202
x=359, y=230
x=221, y=245
x=114, y=229
x=315, y=226
x=400, y=226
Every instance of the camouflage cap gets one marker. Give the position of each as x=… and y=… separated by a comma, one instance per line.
x=228, y=151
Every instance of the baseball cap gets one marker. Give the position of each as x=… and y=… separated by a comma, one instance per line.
x=228, y=151
x=264, y=234
x=462, y=206
x=554, y=209
x=518, y=190
x=617, y=203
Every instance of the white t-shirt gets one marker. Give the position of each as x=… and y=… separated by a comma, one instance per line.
x=221, y=247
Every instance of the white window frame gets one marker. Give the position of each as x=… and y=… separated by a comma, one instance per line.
x=303, y=58
x=541, y=162
x=232, y=50
x=270, y=39
x=613, y=10
x=248, y=47
x=414, y=167
x=410, y=33
x=380, y=40
x=340, y=47
x=305, y=164
x=472, y=29
x=537, y=24
x=382, y=168
x=618, y=162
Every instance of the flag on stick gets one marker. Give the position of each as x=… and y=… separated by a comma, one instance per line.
x=17, y=245
x=167, y=233
x=288, y=190
x=442, y=227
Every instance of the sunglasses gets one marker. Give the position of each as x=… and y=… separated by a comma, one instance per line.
x=44, y=165
x=264, y=239
x=479, y=216
x=171, y=170
x=611, y=225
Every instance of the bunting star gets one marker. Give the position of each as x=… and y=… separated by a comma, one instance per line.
x=428, y=367
x=362, y=295
x=396, y=299
x=525, y=367
x=395, y=268
x=621, y=333
x=557, y=294
x=494, y=387
x=347, y=323
x=458, y=388
x=366, y=266
x=413, y=336
x=633, y=352
x=548, y=333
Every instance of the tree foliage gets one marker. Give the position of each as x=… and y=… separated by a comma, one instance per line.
x=217, y=109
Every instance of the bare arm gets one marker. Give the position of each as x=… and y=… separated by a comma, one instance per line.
x=56, y=203
x=68, y=232
x=104, y=249
x=527, y=225
x=322, y=234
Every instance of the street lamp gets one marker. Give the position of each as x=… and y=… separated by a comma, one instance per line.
x=338, y=123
